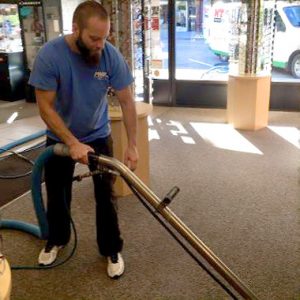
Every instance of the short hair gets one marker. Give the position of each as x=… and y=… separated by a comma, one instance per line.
x=88, y=9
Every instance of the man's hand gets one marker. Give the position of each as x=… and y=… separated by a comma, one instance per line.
x=131, y=157
x=46, y=103
x=79, y=151
x=130, y=121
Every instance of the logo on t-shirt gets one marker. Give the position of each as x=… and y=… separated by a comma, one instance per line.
x=101, y=75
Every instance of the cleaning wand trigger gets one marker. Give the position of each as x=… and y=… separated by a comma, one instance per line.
x=169, y=197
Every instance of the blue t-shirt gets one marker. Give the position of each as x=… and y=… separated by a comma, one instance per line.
x=81, y=89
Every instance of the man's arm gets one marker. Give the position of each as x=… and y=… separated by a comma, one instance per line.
x=45, y=101
x=130, y=121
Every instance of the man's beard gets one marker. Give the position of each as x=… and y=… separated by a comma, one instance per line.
x=90, y=58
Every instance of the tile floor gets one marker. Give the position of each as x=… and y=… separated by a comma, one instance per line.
x=26, y=124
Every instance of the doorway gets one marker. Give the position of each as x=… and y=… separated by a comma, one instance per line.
x=186, y=56
x=182, y=70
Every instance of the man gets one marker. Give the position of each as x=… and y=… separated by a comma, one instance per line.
x=71, y=76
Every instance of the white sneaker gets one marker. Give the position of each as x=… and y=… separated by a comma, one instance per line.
x=115, y=266
x=49, y=254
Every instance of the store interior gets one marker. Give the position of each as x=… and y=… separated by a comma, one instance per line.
x=239, y=181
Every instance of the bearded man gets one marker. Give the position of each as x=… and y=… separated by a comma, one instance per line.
x=71, y=76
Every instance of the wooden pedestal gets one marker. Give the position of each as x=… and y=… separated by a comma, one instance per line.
x=5, y=280
x=120, y=143
x=248, y=100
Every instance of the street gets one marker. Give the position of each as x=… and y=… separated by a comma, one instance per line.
x=194, y=58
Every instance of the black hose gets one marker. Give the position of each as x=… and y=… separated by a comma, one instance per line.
x=22, y=157
x=169, y=230
x=54, y=265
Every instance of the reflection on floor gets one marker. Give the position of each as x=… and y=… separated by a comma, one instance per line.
x=20, y=119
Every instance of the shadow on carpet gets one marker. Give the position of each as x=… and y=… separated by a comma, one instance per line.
x=12, y=166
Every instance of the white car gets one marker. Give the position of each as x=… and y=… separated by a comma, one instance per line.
x=286, y=50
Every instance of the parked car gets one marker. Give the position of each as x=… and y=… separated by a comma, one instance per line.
x=286, y=51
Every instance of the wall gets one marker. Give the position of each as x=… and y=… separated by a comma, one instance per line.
x=121, y=27
x=68, y=7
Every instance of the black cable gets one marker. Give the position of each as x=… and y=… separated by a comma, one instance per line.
x=18, y=175
x=158, y=218
x=19, y=155
x=66, y=207
x=39, y=145
x=54, y=265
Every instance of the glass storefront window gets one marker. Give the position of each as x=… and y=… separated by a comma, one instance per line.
x=204, y=46
x=195, y=58
x=202, y=31
x=150, y=47
x=156, y=38
x=286, y=58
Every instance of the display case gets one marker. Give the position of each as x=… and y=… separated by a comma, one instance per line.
x=12, y=69
x=24, y=27
x=33, y=30
x=40, y=22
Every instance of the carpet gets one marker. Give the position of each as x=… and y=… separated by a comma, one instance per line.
x=10, y=166
x=239, y=195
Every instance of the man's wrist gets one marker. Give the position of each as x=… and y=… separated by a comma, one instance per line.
x=72, y=142
x=132, y=145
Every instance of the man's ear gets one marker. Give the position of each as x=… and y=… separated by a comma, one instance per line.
x=75, y=29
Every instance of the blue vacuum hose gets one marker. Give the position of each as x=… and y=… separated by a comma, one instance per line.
x=40, y=231
x=22, y=141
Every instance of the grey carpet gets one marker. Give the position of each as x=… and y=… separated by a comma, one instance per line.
x=244, y=206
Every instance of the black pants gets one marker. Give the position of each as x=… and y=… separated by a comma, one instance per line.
x=58, y=177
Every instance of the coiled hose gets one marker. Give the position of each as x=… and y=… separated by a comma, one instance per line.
x=40, y=231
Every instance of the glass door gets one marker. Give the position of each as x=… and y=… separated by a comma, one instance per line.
x=195, y=58
x=157, y=50
x=178, y=55
x=33, y=30
x=188, y=43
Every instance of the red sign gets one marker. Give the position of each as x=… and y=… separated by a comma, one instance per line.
x=219, y=12
x=155, y=23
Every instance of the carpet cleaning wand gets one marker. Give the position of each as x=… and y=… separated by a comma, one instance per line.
x=145, y=195
x=161, y=206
